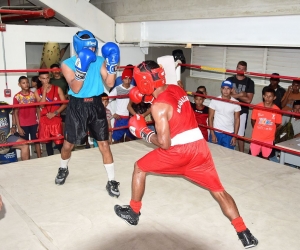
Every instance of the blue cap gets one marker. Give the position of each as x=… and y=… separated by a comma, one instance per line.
x=227, y=84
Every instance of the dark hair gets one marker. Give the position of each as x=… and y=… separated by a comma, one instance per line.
x=104, y=96
x=38, y=82
x=22, y=77
x=54, y=65
x=296, y=82
x=43, y=73
x=297, y=102
x=275, y=79
x=199, y=92
x=201, y=87
x=242, y=63
x=148, y=65
x=268, y=89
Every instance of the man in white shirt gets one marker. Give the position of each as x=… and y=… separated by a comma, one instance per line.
x=224, y=116
x=121, y=115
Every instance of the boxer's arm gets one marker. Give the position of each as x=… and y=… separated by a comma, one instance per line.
x=161, y=113
x=69, y=75
x=109, y=79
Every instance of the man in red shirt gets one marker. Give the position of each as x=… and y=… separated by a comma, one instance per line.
x=181, y=150
x=26, y=118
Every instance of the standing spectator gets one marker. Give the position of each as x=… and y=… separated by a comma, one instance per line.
x=121, y=115
x=7, y=133
x=35, y=83
x=243, y=91
x=264, y=124
x=224, y=116
x=119, y=79
x=86, y=74
x=291, y=95
x=203, y=90
x=50, y=124
x=26, y=118
x=279, y=91
x=201, y=113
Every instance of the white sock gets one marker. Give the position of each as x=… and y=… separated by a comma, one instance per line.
x=110, y=170
x=64, y=163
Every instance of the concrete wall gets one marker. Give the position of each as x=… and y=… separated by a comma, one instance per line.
x=136, y=10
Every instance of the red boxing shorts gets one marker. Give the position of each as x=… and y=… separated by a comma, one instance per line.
x=50, y=128
x=192, y=160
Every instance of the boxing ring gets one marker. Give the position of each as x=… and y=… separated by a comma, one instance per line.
x=176, y=213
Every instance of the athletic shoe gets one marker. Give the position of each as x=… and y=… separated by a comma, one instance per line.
x=112, y=188
x=247, y=239
x=61, y=176
x=126, y=213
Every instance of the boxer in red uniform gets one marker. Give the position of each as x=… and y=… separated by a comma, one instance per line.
x=181, y=148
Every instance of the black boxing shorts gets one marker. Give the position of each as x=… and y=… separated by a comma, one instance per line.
x=83, y=115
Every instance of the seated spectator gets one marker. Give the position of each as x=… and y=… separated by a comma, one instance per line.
x=203, y=90
x=105, y=102
x=8, y=134
x=201, y=113
x=224, y=116
x=264, y=124
x=295, y=120
x=50, y=124
x=279, y=91
x=291, y=95
x=26, y=118
x=121, y=115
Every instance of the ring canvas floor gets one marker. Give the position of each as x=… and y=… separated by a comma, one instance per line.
x=176, y=213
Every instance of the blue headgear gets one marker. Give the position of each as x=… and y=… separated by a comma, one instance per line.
x=80, y=43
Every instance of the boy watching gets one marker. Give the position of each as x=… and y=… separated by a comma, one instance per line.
x=264, y=123
x=201, y=113
x=224, y=116
x=26, y=118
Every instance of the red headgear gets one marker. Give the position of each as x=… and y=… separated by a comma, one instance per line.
x=150, y=79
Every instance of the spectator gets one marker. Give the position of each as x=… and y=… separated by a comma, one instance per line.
x=58, y=80
x=26, y=118
x=295, y=121
x=264, y=124
x=243, y=91
x=201, y=113
x=121, y=115
x=203, y=90
x=7, y=134
x=35, y=83
x=50, y=124
x=279, y=91
x=291, y=95
x=224, y=116
x=119, y=79
x=105, y=102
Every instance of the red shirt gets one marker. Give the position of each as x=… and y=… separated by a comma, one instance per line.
x=201, y=118
x=51, y=96
x=27, y=115
x=183, y=115
x=265, y=125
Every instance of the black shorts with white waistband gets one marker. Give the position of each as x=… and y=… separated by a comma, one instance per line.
x=83, y=115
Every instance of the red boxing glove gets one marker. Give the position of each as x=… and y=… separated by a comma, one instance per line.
x=138, y=127
x=148, y=98
x=135, y=95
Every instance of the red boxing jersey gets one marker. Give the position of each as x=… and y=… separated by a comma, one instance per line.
x=201, y=118
x=183, y=118
x=51, y=96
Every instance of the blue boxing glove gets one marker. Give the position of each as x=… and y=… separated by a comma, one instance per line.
x=111, y=53
x=83, y=61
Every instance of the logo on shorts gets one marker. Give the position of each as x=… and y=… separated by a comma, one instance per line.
x=55, y=98
x=88, y=99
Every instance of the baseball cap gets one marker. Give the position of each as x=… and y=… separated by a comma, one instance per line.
x=127, y=73
x=227, y=84
x=275, y=74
